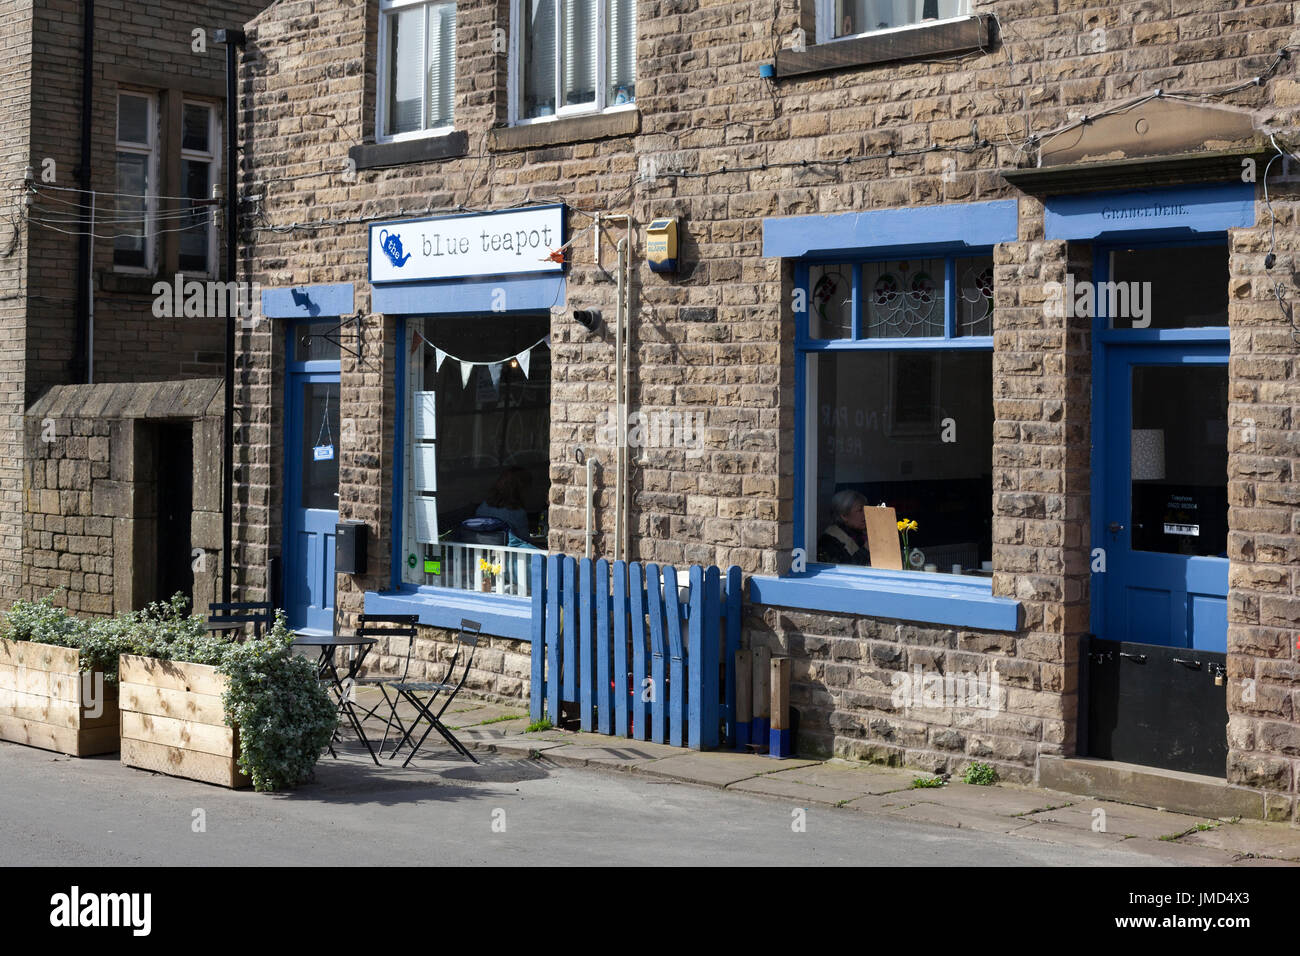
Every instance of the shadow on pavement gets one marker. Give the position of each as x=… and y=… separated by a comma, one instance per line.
x=352, y=778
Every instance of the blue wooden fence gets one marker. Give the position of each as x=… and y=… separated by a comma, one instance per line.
x=617, y=641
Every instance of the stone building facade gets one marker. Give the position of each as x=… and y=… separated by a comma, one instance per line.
x=992, y=136
x=162, y=54
x=103, y=468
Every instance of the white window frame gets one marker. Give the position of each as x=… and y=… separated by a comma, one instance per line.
x=212, y=156
x=150, y=150
x=515, y=76
x=386, y=8
x=826, y=19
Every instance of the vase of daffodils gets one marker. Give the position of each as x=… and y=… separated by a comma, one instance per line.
x=905, y=528
x=488, y=572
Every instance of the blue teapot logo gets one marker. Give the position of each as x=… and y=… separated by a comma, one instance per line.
x=392, y=246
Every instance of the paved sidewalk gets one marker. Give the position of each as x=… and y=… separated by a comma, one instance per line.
x=1033, y=814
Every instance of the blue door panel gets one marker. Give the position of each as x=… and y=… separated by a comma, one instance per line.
x=309, y=529
x=1145, y=596
x=1147, y=619
x=298, y=555
x=1209, y=625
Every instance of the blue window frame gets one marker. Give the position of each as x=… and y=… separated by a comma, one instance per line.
x=908, y=313
x=1103, y=259
x=879, y=302
x=436, y=573
x=947, y=326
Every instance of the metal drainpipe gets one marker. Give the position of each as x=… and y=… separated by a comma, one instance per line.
x=232, y=39
x=626, y=302
x=583, y=459
x=620, y=466
x=85, y=290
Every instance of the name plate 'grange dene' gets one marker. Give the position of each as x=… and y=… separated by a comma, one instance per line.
x=465, y=246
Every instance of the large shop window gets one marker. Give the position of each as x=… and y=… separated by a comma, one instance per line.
x=899, y=390
x=477, y=450
x=839, y=19
x=572, y=57
x=417, y=68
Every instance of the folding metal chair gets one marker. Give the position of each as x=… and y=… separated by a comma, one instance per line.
x=235, y=616
x=423, y=694
x=381, y=626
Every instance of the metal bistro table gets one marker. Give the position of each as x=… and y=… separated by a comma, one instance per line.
x=328, y=669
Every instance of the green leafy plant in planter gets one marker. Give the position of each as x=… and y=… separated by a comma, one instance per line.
x=101, y=640
x=284, y=715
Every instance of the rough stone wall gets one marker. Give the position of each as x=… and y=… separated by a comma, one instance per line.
x=91, y=487
x=1041, y=443
x=15, y=149
x=1264, y=502
x=147, y=46
x=854, y=681
x=64, y=550
x=717, y=338
x=142, y=46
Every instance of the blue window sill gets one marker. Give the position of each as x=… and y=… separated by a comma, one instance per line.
x=948, y=599
x=501, y=615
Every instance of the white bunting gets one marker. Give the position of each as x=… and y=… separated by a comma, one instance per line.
x=524, y=359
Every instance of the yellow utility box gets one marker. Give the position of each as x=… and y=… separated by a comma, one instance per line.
x=661, y=245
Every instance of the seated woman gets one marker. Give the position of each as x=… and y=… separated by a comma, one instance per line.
x=506, y=501
x=845, y=540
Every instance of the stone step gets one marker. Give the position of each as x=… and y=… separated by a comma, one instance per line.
x=1151, y=787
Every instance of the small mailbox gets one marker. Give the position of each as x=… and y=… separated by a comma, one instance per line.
x=661, y=245
x=350, y=547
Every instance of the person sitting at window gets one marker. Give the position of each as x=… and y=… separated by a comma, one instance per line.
x=845, y=540
x=506, y=501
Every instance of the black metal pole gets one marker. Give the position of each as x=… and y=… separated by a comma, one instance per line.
x=232, y=39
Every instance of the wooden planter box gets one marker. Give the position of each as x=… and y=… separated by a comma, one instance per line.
x=43, y=701
x=173, y=721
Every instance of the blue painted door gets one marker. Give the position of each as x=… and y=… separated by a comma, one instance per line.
x=311, y=479
x=1163, y=514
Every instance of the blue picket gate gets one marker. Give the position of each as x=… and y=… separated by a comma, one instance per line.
x=616, y=640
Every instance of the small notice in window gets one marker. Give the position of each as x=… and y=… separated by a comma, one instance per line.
x=323, y=453
x=425, y=419
x=1191, y=530
x=426, y=520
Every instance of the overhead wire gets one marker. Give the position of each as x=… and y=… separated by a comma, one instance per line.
x=1030, y=141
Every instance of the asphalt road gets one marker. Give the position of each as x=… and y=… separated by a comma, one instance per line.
x=56, y=810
